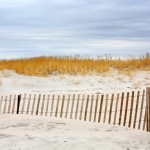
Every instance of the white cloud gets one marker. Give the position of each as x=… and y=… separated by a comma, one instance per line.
x=69, y=25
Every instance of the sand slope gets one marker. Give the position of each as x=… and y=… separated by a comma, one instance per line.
x=12, y=83
x=36, y=133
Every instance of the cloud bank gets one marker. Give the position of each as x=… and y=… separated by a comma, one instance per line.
x=57, y=27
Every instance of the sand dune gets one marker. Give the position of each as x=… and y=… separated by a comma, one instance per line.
x=12, y=83
x=24, y=132
x=35, y=132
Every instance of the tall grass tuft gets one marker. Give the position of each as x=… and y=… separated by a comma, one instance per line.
x=44, y=66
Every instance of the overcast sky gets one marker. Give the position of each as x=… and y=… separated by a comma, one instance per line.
x=64, y=27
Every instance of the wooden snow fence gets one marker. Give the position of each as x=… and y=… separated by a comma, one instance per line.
x=130, y=109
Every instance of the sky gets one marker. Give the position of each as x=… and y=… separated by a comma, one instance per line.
x=68, y=27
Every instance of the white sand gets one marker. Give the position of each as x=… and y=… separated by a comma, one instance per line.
x=36, y=133
x=20, y=132
x=12, y=83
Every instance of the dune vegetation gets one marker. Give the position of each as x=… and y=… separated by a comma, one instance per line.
x=44, y=66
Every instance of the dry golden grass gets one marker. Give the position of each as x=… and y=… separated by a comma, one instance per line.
x=43, y=66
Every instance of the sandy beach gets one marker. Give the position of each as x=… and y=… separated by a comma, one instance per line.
x=109, y=82
x=40, y=132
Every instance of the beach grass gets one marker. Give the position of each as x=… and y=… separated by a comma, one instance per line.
x=44, y=66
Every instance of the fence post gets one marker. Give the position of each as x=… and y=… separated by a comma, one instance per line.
x=18, y=103
x=148, y=108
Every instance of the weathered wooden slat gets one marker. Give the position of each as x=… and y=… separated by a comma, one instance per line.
x=131, y=109
x=141, y=111
x=52, y=105
x=126, y=109
x=38, y=104
x=136, y=109
x=5, y=105
x=86, y=108
x=121, y=106
x=145, y=117
x=29, y=100
x=67, y=109
x=77, y=107
x=14, y=102
x=18, y=103
x=148, y=108
x=116, y=109
x=81, y=111
x=47, y=105
x=90, y=117
x=43, y=102
x=62, y=106
x=23, y=104
x=33, y=104
x=57, y=106
x=106, y=105
x=100, y=109
x=71, y=114
x=110, y=110
x=9, y=105
x=96, y=104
